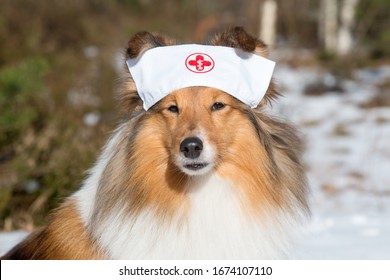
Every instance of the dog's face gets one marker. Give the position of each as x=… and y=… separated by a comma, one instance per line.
x=199, y=126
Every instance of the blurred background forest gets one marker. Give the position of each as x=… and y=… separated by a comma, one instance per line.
x=60, y=61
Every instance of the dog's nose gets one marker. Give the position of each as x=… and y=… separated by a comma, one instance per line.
x=191, y=147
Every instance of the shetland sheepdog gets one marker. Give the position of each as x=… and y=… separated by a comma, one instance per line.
x=200, y=175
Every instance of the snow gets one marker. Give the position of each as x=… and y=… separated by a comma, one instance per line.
x=347, y=158
x=9, y=239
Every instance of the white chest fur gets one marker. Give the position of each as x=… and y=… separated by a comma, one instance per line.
x=216, y=227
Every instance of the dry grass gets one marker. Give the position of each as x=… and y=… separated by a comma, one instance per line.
x=340, y=130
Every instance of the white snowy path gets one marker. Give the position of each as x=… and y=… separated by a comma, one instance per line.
x=348, y=164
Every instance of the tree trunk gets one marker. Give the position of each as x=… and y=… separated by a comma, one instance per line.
x=268, y=22
x=345, y=39
x=328, y=24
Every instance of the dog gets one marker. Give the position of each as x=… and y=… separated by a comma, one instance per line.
x=198, y=175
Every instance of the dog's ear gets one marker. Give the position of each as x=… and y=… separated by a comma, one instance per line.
x=143, y=41
x=237, y=37
x=137, y=45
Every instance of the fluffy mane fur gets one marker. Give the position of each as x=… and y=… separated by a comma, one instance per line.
x=138, y=204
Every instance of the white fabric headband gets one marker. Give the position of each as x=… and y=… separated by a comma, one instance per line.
x=161, y=70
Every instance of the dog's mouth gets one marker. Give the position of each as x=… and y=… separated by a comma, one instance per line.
x=195, y=166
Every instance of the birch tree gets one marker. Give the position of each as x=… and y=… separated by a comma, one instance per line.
x=328, y=24
x=268, y=11
x=347, y=19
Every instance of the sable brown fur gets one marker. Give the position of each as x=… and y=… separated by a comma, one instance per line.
x=64, y=238
x=129, y=180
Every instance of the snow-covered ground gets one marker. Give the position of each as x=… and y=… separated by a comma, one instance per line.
x=348, y=163
x=347, y=159
x=9, y=239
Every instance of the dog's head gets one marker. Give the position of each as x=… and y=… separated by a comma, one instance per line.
x=196, y=130
x=201, y=123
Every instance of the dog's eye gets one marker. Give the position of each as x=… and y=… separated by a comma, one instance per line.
x=173, y=109
x=217, y=106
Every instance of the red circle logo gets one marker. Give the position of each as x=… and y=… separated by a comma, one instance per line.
x=199, y=63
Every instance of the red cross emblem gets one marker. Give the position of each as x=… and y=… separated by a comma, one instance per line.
x=199, y=63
